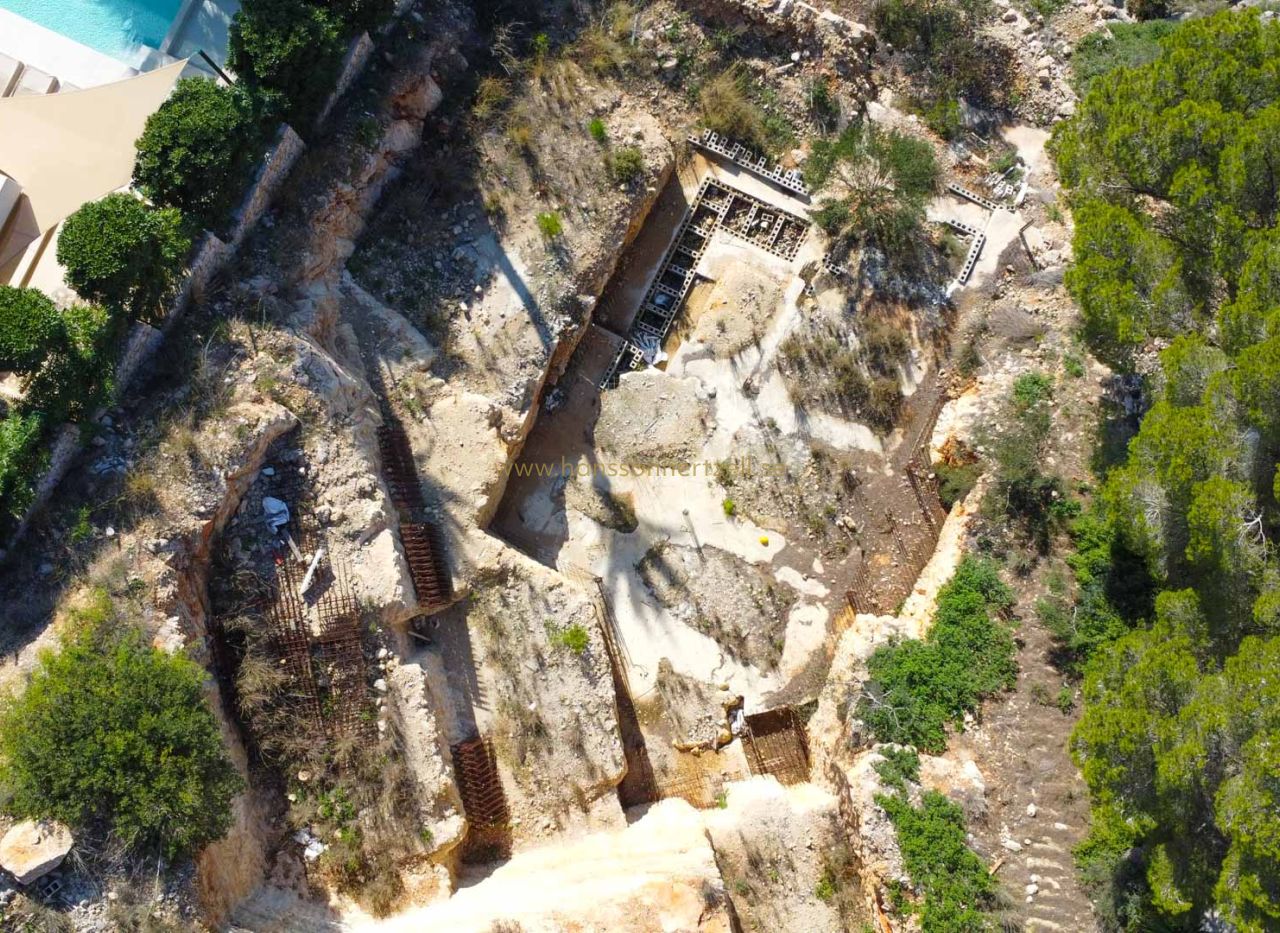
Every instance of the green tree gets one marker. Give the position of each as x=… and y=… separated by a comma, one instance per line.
x=1127, y=279
x=287, y=52
x=196, y=151
x=123, y=254
x=30, y=329
x=113, y=735
x=1191, y=131
x=1254, y=315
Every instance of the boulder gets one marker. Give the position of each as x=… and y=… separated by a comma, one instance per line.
x=32, y=849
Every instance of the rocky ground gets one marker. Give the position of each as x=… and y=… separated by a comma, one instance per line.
x=597, y=633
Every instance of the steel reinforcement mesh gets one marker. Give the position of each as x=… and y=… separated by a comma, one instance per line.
x=423, y=547
x=483, y=800
x=775, y=743
x=319, y=643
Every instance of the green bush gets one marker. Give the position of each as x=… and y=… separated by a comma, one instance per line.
x=22, y=460
x=625, y=164
x=550, y=224
x=956, y=482
x=123, y=254
x=112, y=735
x=287, y=53
x=832, y=216
x=1030, y=389
x=899, y=766
x=957, y=889
x=598, y=131
x=574, y=637
x=1021, y=491
x=76, y=379
x=30, y=329
x=822, y=104
x=197, y=151
x=917, y=687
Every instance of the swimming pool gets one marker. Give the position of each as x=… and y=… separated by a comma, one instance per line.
x=113, y=27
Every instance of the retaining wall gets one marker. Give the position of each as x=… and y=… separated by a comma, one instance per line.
x=212, y=254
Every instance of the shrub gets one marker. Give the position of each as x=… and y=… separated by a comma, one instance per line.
x=951, y=56
x=832, y=216
x=882, y=181
x=957, y=888
x=917, y=687
x=1030, y=389
x=196, y=151
x=550, y=225
x=899, y=766
x=625, y=164
x=823, y=105
x=598, y=131
x=121, y=253
x=491, y=94
x=287, y=52
x=573, y=637
x=30, y=329
x=114, y=735
x=1020, y=490
x=602, y=51
x=730, y=508
x=955, y=481
x=76, y=378
x=22, y=459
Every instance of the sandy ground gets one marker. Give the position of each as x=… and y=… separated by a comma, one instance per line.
x=658, y=874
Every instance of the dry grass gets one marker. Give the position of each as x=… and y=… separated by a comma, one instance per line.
x=728, y=109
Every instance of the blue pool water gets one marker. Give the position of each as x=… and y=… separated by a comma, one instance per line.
x=113, y=27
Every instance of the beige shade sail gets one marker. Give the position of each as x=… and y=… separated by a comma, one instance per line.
x=70, y=148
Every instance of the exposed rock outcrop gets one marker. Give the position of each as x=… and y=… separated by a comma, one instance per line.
x=33, y=848
x=426, y=752
x=657, y=874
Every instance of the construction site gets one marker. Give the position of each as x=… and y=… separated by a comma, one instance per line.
x=537, y=572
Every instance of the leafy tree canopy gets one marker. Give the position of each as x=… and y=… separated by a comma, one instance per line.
x=123, y=254
x=1172, y=168
x=196, y=151
x=30, y=329
x=114, y=735
x=1171, y=163
x=287, y=52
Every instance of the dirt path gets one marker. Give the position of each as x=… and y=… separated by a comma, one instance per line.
x=1021, y=747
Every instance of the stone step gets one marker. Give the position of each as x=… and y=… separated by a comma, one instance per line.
x=1040, y=923
x=1036, y=863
